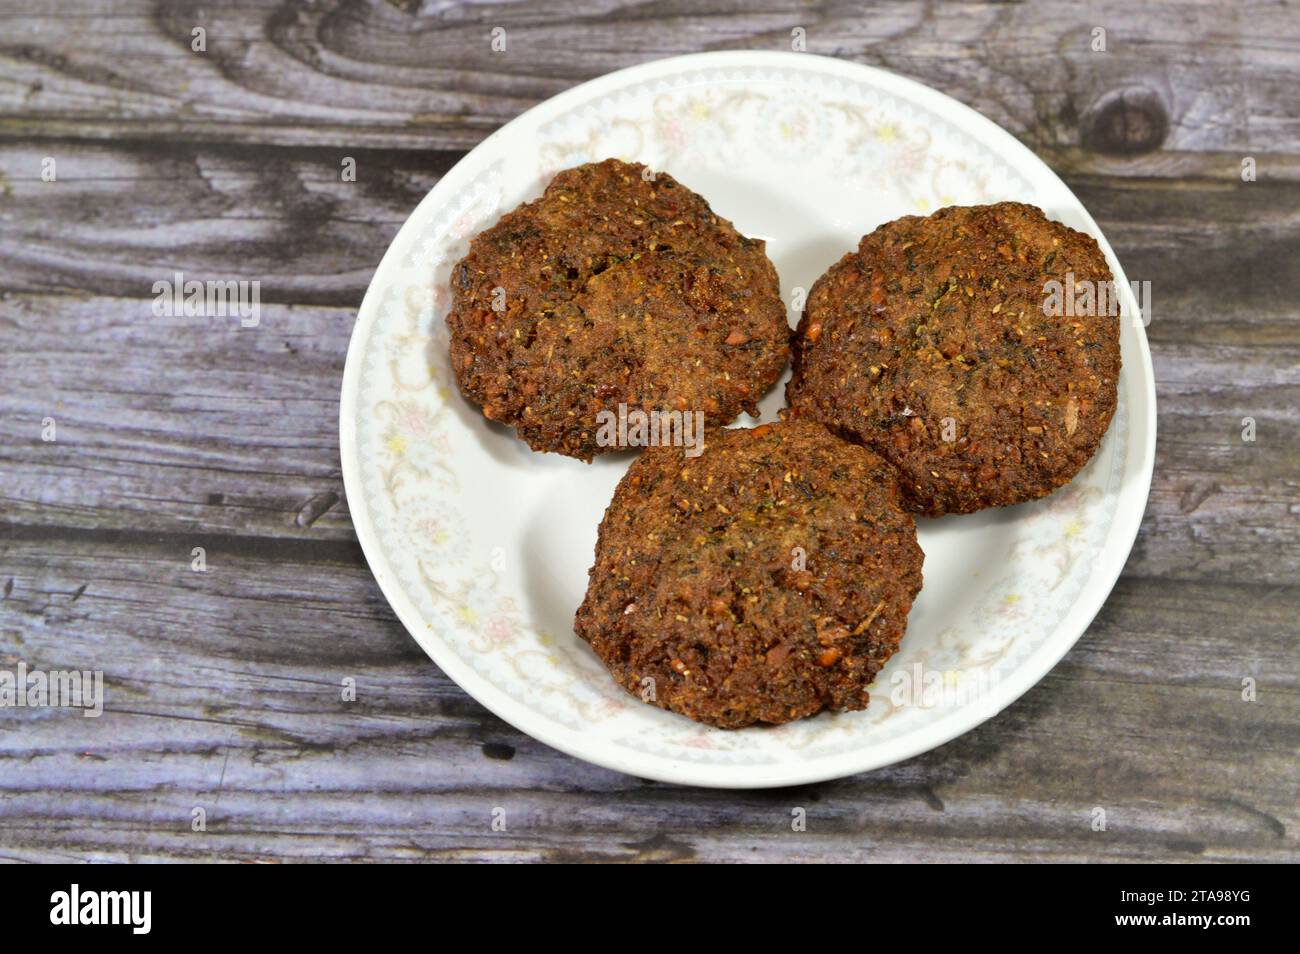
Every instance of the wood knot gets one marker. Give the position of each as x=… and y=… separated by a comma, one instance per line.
x=1126, y=122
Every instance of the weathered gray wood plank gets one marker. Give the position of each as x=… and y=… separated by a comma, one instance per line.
x=120, y=217
x=171, y=424
x=223, y=692
x=1203, y=84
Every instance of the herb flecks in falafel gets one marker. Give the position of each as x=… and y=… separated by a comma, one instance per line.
x=616, y=287
x=931, y=344
x=765, y=581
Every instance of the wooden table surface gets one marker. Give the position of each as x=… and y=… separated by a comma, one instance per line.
x=223, y=687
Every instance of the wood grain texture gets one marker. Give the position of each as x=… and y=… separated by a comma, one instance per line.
x=228, y=683
x=224, y=687
x=1217, y=78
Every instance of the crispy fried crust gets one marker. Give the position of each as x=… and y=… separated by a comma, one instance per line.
x=930, y=345
x=698, y=603
x=613, y=288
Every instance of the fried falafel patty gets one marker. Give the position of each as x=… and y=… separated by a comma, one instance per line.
x=616, y=287
x=931, y=345
x=764, y=581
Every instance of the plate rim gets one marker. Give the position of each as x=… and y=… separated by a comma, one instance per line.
x=1129, y=510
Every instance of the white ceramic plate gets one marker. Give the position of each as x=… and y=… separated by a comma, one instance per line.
x=482, y=546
